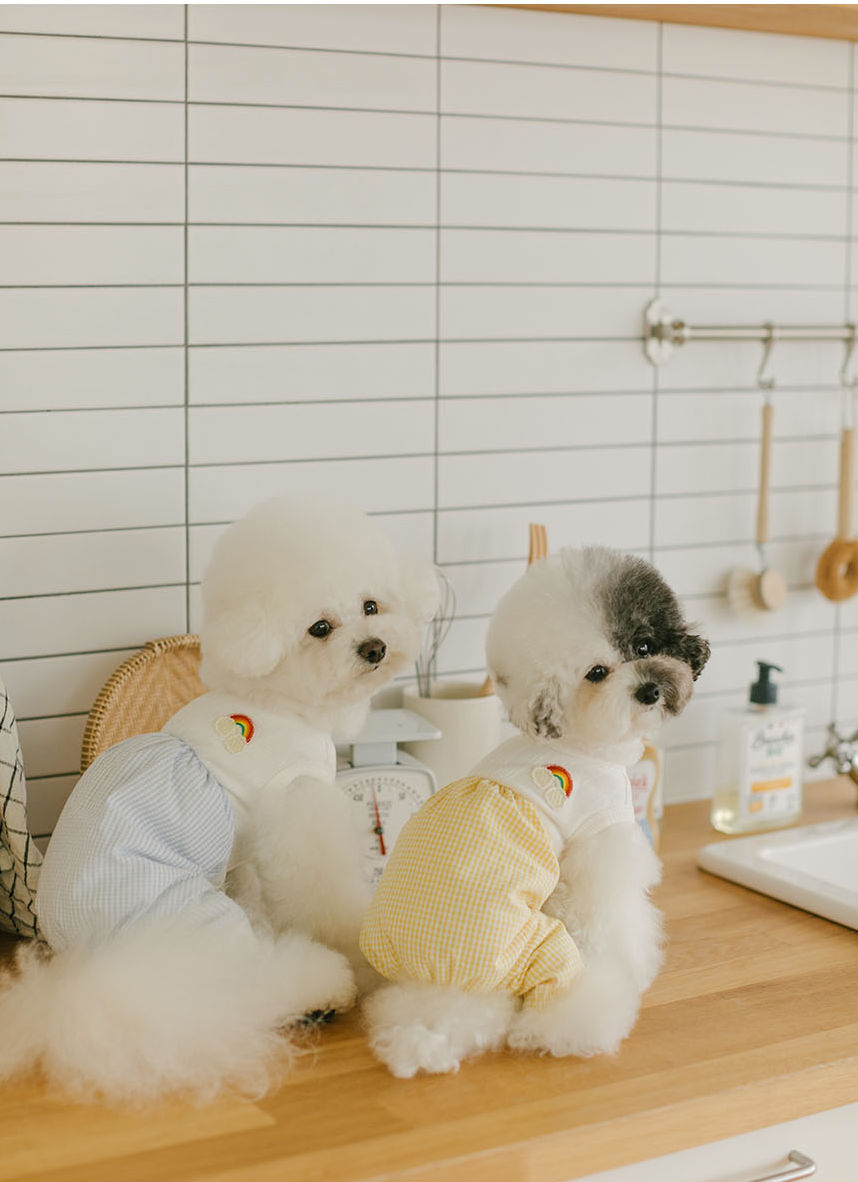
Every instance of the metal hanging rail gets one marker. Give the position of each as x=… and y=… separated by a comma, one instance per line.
x=663, y=332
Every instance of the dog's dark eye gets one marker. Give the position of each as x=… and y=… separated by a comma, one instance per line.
x=643, y=648
x=370, y=608
x=320, y=629
x=597, y=673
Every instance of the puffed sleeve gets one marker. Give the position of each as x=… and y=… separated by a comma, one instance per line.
x=459, y=902
x=146, y=833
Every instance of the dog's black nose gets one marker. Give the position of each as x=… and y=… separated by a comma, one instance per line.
x=648, y=693
x=372, y=650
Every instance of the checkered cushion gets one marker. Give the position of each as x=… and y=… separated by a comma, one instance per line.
x=20, y=860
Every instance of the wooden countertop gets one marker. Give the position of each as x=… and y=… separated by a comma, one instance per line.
x=801, y=20
x=754, y=1020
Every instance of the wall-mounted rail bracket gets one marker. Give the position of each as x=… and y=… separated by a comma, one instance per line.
x=664, y=332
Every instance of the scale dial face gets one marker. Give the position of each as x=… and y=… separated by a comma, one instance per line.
x=383, y=799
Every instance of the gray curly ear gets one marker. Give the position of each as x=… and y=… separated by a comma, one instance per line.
x=546, y=714
x=695, y=651
x=242, y=641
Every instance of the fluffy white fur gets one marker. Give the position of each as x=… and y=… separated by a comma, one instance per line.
x=568, y=616
x=417, y=1026
x=603, y=899
x=166, y=1008
x=174, y=1006
x=306, y=874
x=288, y=564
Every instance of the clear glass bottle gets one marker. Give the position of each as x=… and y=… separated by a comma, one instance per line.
x=759, y=769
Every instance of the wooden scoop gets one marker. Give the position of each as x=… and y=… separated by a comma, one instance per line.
x=750, y=590
x=837, y=570
x=538, y=548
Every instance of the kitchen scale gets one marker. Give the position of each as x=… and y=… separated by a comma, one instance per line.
x=385, y=785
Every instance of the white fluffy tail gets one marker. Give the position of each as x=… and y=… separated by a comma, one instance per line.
x=415, y=1026
x=160, y=1009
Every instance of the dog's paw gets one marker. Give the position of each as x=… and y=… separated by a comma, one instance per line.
x=591, y=1018
x=645, y=953
x=366, y=977
x=433, y=1028
x=559, y=905
x=316, y=979
x=406, y=1051
x=533, y=1030
x=318, y=1018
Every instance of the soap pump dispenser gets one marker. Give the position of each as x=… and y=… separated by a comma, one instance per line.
x=759, y=767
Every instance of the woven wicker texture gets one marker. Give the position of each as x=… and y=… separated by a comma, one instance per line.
x=147, y=689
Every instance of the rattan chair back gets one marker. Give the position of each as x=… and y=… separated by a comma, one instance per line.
x=147, y=689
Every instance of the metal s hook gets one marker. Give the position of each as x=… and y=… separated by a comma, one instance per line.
x=764, y=382
x=845, y=381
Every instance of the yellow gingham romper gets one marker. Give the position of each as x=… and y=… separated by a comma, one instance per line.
x=460, y=900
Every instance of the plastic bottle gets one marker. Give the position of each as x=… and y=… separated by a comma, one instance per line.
x=759, y=770
x=646, y=781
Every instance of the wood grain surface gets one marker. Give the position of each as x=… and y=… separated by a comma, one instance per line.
x=753, y=1021
x=801, y=20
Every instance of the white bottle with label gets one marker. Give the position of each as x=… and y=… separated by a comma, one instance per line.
x=759, y=769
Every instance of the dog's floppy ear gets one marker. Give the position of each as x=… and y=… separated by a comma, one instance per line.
x=546, y=712
x=242, y=640
x=695, y=651
x=421, y=588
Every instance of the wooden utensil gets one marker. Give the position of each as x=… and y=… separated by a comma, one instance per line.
x=537, y=549
x=837, y=570
x=766, y=589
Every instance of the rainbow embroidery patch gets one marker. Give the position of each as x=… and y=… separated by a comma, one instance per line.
x=554, y=782
x=244, y=724
x=236, y=730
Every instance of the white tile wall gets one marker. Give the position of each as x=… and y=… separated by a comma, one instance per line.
x=730, y=157
x=368, y=28
x=486, y=311
x=312, y=372
x=546, y=92
x=72, y=318
x=151, y=21
x=83, y=256
x=70, y=379
x=521, y=146
x=48, y=191
x=285, y=77
x=400, y=253
x=264, y=254
x=750, y=106
x=545, y=256
x=760, y=57
x=468, y=32
x=340, y=196
x=58, y=67
x=308, y=136
x=42, y=129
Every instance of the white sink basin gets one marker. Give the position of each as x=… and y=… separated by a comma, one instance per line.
x=814, y=867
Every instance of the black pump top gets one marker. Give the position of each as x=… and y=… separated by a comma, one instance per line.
x=763, y=691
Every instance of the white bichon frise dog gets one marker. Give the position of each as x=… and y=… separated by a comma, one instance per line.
x=203, y=888
x=515, y=906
